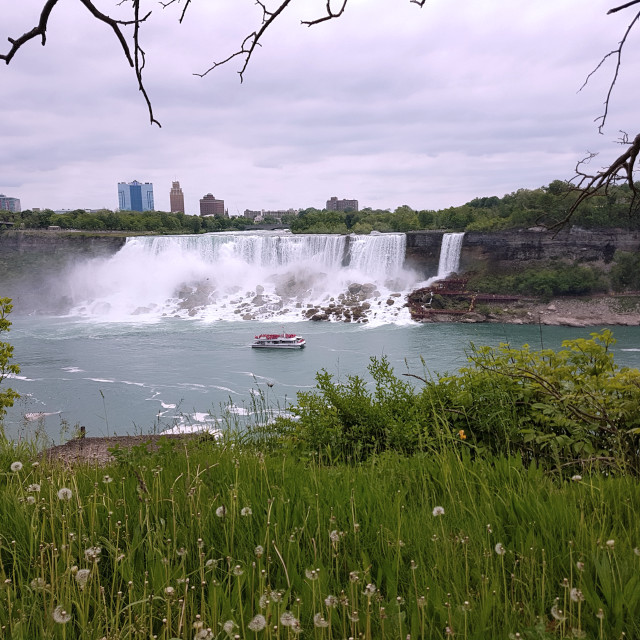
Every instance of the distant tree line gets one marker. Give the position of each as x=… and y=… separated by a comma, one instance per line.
x=545, y=206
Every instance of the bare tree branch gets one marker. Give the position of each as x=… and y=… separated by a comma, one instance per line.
x=330, y=15
x=617, y=53
x=623, y=6
x=252, y=41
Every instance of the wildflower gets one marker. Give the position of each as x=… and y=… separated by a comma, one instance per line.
x=438, y=511
x=92, y=554
x=462, y=434
x=576, y=478
x=229, y=627
x=64, y=493
x=331, y=601
x=107, y=479
x=246, y=511
x=82, y=576
x=257, y=623
x=33, y=488
x=259, y=551
x=576, y=595
x=221, y=512
x=611, y=543
x=319, y=621
x=287, y=619
x=16, y=466
x=60, y=616
x=499, y=549
x=311, y=574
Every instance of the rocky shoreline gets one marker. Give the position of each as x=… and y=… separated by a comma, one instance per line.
x=621, y=310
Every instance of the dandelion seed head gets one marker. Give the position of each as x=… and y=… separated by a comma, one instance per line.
x=287, y=619
x=229, y=627
x=60, y=616
x=611, y=544
x=600, y=614
x=246, y=511
x=221, y=512
x=311, y=574
x=30, y=500
x=92, y=554
x=238, y=570
x=33, y=488
x=370, y=590
x=257, y=623
x=576, y=478
x=81, y=577
x=438, y=511
x=169, y=591
x=276, y=596
x=637, y=551
x=38, y=584
x=64, y=493
x=259, y=551
x=16, y=466
x=558, y=613
x=181, y=552
x=331, y=601
x=334, y=536
x=580, y=565
x=499, y=549
x=576, y=595
x=319, y=621
x=107, y=479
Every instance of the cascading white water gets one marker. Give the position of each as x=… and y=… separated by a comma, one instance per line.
x=449, y=254
x=255, y=275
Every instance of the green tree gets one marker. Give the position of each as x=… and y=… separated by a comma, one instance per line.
x=6, y=353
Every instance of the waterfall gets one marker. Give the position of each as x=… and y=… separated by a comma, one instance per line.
x=275, y=276
x=449, y=254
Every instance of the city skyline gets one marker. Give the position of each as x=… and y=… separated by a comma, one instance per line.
x=392, y=105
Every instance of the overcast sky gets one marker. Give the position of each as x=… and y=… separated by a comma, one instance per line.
x=391, y=104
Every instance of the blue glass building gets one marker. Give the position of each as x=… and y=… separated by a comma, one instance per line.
x=135, y=196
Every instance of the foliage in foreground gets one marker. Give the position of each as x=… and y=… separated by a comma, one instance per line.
x=216, y=541
x=6, y=353
x=569, y=409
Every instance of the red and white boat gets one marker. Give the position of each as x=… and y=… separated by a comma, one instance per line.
x=278, y=341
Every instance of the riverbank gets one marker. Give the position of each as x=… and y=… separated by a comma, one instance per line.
x=622, y=310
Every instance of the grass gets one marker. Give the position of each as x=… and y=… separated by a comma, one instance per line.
x=217, y=540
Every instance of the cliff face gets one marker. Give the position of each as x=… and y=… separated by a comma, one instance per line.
x=32, y=263
x=506, y=249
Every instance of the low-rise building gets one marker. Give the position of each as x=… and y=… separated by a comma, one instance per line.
x=211, y=206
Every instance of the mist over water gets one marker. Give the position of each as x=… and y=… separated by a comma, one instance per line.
x=250, y=276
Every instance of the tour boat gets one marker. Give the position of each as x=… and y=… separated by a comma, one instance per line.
x=278, y=341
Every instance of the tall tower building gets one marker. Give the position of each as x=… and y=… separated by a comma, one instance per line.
x=135, y=196
x=176, y=198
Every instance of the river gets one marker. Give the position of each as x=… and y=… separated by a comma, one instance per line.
x=131, y=354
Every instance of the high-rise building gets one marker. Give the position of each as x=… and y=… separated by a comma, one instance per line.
x=9, y=204
x=135, y=196
x=333, y=204
x=211, y=206
x=176, y=198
